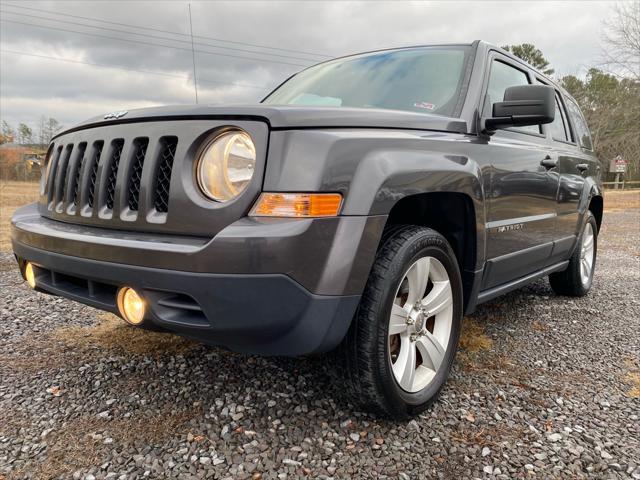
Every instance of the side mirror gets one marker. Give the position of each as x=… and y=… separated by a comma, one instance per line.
x=522, y=105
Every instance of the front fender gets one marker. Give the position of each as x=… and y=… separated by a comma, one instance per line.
x=383, y=178
x=373, y=169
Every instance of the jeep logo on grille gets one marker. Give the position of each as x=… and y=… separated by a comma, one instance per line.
x=115, y=115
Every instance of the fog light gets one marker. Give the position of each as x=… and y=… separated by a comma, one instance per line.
x=131, y=305
x=30, y=275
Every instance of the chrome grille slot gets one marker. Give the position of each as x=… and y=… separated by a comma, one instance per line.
x=43, y=177
x=114, y=163
x=51, y=176
x=75, y=179
x=163, y=178
x=60, y=177
x=93, y=173
x=135, y=177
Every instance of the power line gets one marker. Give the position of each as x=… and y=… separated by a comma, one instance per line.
x=193, y=56
x=166, y=31
x=117, y=67
x=150, y=43
x=157, y=37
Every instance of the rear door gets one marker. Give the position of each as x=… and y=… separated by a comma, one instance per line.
x=521, y=216
x=577, y=163
x=571, y=182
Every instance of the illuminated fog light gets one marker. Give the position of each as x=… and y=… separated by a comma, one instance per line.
x=30, y=275
x=131, y=305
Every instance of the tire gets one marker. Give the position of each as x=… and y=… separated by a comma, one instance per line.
x=374, y=380
x=573, y=281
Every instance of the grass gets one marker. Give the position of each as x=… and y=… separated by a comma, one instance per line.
x=620, y=200
x=13, y=194
x=632, y=378
x=114, y=335
x=72, y=447
x=71, y=345
x=473, y=339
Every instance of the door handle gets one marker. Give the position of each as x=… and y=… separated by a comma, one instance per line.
x=549, y=163
x=582, y=167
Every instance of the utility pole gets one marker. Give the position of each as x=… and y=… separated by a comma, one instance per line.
x=193, y=56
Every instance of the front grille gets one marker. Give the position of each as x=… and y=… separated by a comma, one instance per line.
x=116, y=153
x=61, y=175
x=78, y=168
x=83, y=179
x=93, y=174
x=140, y=151
x=163, y=181
x=51, y=176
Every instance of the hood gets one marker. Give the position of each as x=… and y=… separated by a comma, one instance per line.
x=284, y=117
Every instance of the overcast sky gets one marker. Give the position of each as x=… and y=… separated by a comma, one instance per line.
x=274, y=39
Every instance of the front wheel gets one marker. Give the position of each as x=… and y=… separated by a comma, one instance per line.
x=576, y=280
x=402, y=342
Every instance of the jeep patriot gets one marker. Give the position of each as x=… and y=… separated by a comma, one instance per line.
x=362, y=207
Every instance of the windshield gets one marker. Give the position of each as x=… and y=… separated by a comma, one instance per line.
x=424, y=80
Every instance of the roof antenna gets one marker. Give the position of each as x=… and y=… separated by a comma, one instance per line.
x=193, y=56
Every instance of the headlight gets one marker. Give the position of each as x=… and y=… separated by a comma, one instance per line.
x=226, y=165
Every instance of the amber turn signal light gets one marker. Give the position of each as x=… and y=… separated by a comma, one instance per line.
x=297, y=205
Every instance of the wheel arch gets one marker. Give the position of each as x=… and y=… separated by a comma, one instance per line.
x=453, y=215
x=596, y=206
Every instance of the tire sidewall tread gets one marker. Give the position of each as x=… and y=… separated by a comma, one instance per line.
x=365, y=349
x=569, y=281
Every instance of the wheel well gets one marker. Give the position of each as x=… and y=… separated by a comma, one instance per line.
x=450, y=214
x=596, y=205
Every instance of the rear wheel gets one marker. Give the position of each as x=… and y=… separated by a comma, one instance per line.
x=402, y=342
x=576, y=280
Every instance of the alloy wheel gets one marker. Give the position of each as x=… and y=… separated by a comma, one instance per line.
x=587, y=254
x=420, y=324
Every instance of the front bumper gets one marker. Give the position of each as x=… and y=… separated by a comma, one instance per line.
x=287, y=287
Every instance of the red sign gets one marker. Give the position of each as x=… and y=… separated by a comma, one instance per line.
x=618, y=165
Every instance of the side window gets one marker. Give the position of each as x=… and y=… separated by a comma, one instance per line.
x=560, y=128
x=579, y=124
x=502, y=77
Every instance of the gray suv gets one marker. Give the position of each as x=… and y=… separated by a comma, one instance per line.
x=362, y=207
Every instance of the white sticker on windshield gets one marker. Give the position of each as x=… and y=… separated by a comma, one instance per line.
x=427, y=105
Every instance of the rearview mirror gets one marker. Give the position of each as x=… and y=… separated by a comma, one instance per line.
x=522, y=105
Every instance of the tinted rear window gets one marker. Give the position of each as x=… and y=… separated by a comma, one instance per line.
x=579, y=124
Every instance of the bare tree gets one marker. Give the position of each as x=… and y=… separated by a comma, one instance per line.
x=52, y=126
x=8, y=133
x=42, y=135
x=622, y=40
x=25, y=134
x=612, y=107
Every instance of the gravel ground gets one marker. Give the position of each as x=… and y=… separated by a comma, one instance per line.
x=544, y=387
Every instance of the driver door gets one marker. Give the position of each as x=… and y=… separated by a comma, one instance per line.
x=522, y=209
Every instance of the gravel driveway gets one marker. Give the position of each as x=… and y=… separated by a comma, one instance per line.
x=544, y=387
